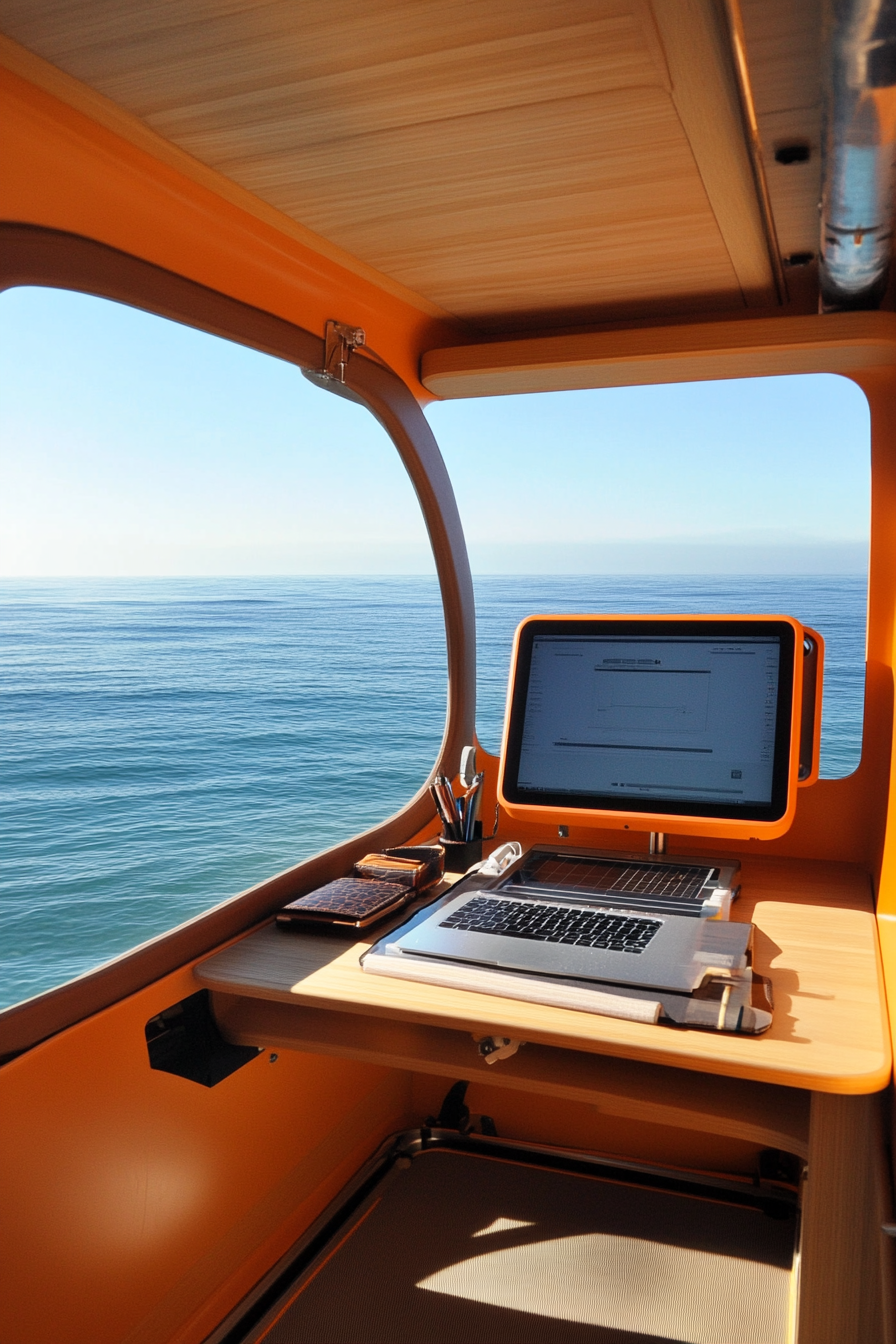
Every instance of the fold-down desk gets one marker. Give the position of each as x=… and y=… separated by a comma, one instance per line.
x=816, y=938
x=804, y=1086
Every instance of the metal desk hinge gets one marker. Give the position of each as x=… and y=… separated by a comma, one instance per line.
x=455, y=1114
x=493, y=1048
x=341, y=340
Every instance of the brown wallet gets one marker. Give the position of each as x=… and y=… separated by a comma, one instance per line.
x=416, y=866
x=354, y=901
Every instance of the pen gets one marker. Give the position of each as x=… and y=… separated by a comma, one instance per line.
x=453, y=807
x=471, y=800
x=449, y=804
x=446, y=819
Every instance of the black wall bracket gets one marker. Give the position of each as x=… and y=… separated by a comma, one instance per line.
x=184, y=1040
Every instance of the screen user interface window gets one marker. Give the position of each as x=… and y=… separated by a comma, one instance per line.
x=656, y=721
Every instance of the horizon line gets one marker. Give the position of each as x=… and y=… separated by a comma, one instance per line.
x=483, y=574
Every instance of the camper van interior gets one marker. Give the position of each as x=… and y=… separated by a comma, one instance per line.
x=610, y=1058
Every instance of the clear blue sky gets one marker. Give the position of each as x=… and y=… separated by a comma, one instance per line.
x=129, y=445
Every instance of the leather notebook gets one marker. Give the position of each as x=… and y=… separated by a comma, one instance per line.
x=352, y=901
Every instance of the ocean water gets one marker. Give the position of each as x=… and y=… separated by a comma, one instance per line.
x=168, y=742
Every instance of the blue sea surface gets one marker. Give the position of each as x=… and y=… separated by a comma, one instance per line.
x=167, y=743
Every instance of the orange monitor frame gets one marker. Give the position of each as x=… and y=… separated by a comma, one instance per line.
x=694, y=818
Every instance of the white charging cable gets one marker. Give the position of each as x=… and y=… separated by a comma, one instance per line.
x=501, y=858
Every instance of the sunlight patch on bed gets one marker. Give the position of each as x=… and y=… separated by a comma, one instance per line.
x=626, y=1283
x=501, y=1225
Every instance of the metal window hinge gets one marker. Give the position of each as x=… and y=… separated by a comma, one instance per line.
x=341, y=340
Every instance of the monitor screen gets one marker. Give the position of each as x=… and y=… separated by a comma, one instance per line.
x=677, y=717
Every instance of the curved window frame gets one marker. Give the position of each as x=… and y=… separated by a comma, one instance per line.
x=48, y=258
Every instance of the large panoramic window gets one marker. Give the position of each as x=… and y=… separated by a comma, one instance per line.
x=222, y=638
x=741, y=496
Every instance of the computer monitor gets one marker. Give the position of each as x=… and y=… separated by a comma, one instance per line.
x=682, y=724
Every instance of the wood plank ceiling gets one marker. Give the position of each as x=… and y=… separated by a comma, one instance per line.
x=517, y=163
x=784, y=49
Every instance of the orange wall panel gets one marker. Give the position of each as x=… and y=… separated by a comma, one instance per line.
x=141, y=1206
x=880, y=388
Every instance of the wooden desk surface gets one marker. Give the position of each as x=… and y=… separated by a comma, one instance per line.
x=816, y=937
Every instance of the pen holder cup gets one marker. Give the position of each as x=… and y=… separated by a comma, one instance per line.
x=460, y=854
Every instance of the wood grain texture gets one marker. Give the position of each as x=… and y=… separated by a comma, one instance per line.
x=783, y=43
x=774, y=1117
x=845, y=1258
x=508, y=162
x=835, y=343
x=106, y=113
x=816, y=939
x=705, y=92
x=794, y=189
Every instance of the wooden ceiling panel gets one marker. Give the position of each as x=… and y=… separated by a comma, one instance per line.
x=492, y=211
x=610, y=278
x=517, y=72
x=164, y=54
x=420, y=174
x=514, y=158
x=795, y=189
x=784, y=54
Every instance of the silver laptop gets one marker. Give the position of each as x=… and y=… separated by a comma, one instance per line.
x=617, y=919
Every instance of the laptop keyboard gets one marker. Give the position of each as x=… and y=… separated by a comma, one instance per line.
x=554, y=924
